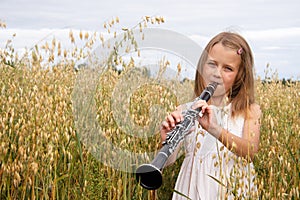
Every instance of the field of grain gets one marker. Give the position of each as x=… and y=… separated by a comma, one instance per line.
x=44, y=154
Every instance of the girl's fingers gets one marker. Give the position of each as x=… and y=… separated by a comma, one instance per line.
x=165, y=125
x=205, y=108
x=170, y=119
x=209, y=109
x=170, y=122
x=199, y=104
x=177, y=116
x=174, y=117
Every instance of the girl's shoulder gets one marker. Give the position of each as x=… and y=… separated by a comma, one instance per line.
x=254, y=111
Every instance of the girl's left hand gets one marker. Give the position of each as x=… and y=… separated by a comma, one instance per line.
x=208, y=119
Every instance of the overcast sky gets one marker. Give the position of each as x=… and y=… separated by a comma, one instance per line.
x=272, y=27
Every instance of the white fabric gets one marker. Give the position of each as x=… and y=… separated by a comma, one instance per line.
x=205, y=156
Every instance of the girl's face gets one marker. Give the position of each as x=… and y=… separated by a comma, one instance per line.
x=221, y=66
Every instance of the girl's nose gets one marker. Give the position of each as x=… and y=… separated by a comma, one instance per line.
x=217, y=72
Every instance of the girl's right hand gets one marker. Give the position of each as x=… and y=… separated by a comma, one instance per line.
x=170, y=122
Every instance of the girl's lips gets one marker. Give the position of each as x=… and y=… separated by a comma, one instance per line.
x=216, y=82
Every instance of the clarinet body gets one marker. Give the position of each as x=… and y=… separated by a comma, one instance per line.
x=149, y=175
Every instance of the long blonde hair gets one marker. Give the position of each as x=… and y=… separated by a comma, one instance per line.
x=241, y=94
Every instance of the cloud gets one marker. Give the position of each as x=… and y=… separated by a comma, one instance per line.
x=274, y=34
x=271, y=48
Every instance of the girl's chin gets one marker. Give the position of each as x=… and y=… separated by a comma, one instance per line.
x=220, y=90
x=219, y=93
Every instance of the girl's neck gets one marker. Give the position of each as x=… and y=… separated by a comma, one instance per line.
x=219, y=101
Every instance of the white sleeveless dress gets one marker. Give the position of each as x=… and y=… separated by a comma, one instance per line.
x=210, y=170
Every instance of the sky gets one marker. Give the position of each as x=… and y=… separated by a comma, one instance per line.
x=272, y=27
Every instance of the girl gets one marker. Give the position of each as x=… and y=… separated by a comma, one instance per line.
x=220, y=149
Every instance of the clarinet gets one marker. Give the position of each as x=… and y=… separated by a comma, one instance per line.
x=149, y=176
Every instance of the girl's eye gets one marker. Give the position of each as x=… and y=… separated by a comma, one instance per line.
x=228, y=69
x=211, y=64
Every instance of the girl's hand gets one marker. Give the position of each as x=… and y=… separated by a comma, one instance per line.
x=207, y=118
x=170, y=122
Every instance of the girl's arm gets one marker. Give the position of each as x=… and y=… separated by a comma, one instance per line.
x=247, y=145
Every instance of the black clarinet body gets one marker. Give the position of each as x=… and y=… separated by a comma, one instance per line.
x=149, y=175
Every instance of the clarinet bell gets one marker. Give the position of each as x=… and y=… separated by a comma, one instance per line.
x=149, y=176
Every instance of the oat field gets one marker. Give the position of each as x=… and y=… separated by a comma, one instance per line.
x=44, y=156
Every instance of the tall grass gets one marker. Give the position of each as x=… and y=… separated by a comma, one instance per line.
x=278, y=162
x=43, y=156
